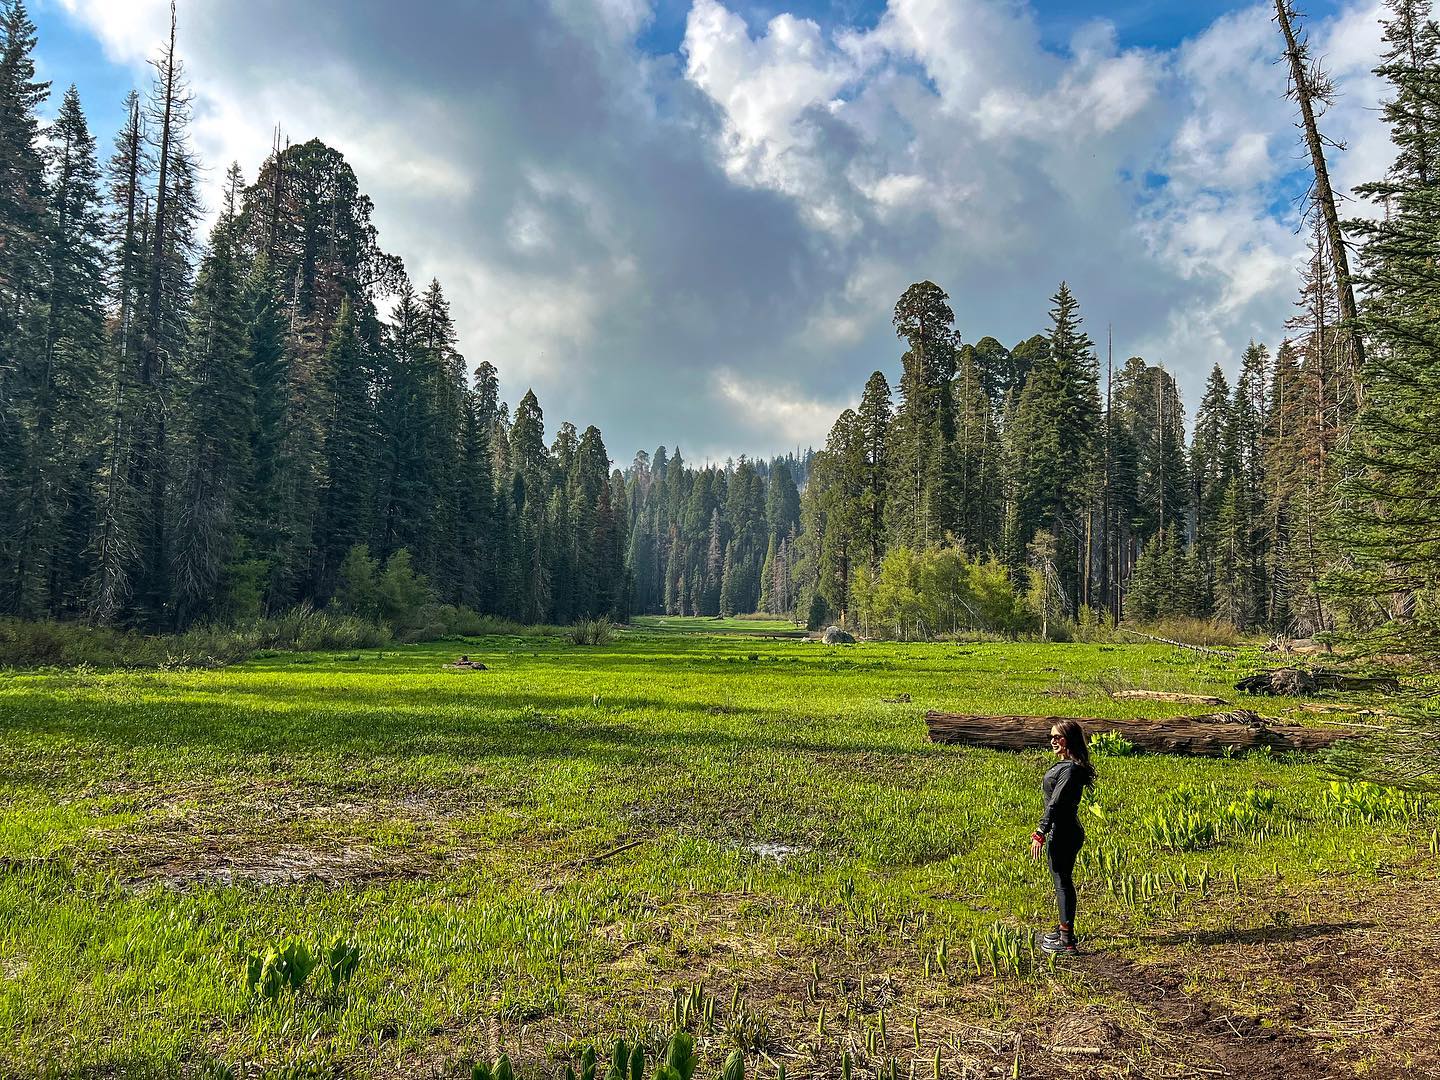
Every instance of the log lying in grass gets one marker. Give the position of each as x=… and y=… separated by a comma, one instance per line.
x=1165, y=695
x=1178, y=644
x=1213, y=735
x=1293, y=682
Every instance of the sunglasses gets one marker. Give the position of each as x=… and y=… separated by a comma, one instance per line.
x=1057, y=738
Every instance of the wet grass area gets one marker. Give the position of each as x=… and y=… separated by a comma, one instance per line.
x=579, y=842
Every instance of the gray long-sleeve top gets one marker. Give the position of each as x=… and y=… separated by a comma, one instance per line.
x=1063, y=786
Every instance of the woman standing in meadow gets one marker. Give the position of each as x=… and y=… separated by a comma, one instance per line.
x=1060, y=827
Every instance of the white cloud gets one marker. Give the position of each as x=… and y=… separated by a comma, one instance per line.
x=129, y=30
x=710, y=244
x=778, y=410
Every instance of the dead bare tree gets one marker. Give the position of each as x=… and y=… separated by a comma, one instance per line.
x=1309, y=86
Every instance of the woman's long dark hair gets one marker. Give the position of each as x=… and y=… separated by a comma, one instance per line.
x=1078, y=747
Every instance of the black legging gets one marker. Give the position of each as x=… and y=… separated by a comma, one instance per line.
x=1063, y=847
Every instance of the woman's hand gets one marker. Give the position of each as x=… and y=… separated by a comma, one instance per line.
x=1036, y=847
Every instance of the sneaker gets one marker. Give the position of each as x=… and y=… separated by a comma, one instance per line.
x=1053, y=935
x=1061, y=944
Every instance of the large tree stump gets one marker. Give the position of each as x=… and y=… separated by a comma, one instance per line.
x=1213, y=735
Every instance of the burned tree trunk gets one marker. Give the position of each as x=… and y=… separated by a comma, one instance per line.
x=1293, y=682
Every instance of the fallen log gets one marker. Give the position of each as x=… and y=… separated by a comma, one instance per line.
x=1165, y=695
x=1178, y=644
x=1293, y=682
x=1337, y=680
x=1213, y=735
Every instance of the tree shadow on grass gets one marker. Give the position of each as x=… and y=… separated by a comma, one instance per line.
x=1258, y=935
x=517, y=725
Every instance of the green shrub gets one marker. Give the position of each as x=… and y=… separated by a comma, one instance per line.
x=592, y=631
x=1180, y=830
x=358, y=592
x=1370, y=803
x=404, y=597
x=286, y=966
x=936, y=593
x=52, y=644
x=1112, y=743
x=1094, y=625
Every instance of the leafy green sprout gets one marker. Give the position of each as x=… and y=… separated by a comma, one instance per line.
x=288, y=965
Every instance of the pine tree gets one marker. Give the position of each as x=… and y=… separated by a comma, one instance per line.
x=782, y=501
x=977, y=458
x=115, y=547
x=1232, y=587
x=218, y=417
x=479, y=545
x=404, y=418
x=922, y=434
x=1390, y=502
x=835, y=506
x=1211, y=464
x=601, y=568
x=265, y=509
x=1149, y=490
x=25, y=382
x=1313, y=416
x=444, y=404
x=23, y=217
x=1249, y=414
x=767, y=580
x=714, y=566
x=1057, y=426
x=347, y=497
x=162, y=328
x=876, y=419
x=532, y=485
x=61, y=406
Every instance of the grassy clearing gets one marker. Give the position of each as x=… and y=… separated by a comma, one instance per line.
x=701, y=624
x=809, y=877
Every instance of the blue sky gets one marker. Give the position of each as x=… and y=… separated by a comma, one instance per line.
x=70, y=53
x=687, y=220
x=1138, y=23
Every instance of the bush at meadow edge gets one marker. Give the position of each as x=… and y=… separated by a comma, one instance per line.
x=48, y=643
x=59, y=644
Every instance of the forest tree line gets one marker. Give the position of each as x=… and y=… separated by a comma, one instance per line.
x=1306, y=497
x=208, y=432
x=205, y=431
x=1083, y=485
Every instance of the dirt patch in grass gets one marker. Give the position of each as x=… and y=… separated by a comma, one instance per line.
x=279, y=834
x=286, y=864
x=1343, y=994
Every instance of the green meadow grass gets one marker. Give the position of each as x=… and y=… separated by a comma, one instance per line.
x=794, y=835
x=699, y=624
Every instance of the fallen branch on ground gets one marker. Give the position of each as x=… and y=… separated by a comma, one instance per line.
x=1178, y=644
x=615, y=851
